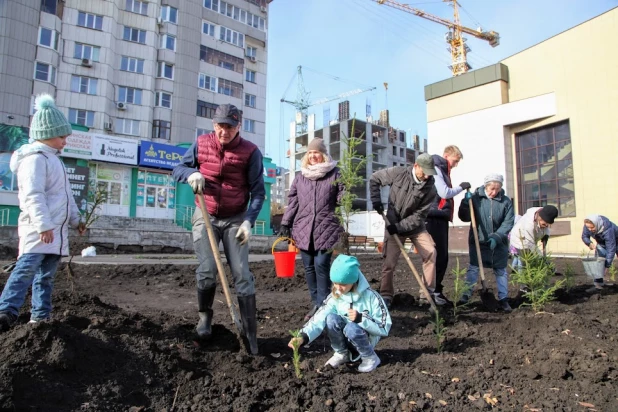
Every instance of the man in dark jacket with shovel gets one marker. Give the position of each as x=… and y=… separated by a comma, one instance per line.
x=411, y=193
x=228, y=171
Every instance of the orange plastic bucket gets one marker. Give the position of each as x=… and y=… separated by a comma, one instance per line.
x=285, y=262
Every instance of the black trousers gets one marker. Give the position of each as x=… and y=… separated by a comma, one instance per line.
x=438, y=229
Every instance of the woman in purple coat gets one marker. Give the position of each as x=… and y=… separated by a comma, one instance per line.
x=310, y=218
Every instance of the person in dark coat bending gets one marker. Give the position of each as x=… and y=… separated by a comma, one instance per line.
x=311, y=221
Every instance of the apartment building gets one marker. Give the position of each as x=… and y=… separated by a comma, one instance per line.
x=142, y=78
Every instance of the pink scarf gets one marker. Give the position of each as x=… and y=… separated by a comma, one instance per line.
x=319, y=170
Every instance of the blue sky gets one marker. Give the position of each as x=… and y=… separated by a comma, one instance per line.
x=365, y=44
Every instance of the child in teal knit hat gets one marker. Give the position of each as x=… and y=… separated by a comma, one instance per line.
x=354, y=316
x=47, y=210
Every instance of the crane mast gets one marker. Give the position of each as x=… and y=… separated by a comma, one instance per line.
x=454, y=37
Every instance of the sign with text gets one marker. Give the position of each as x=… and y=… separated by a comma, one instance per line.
x=79, y=145
x=114, y=149
x=159, y=155
x=78, y=179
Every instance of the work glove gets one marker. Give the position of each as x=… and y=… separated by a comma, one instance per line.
x=244, y=232
x=465, y=185
x=468, y=195
x=544, y=240
x=284, y=231
x=197, y=182
x=392, y=229
x=378, y=207
x=492, y=243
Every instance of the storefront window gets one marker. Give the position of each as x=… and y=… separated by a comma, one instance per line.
x=156, y=194
x=115, y=182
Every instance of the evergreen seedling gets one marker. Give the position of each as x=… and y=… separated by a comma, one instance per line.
x=536, y=274
x=460, y=288
x=439, y=331
x=296, y=354
x=569, y=277
x=612, y=272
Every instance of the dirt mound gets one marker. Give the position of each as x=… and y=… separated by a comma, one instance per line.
x=124, y=340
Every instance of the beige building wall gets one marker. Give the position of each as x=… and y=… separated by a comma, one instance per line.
x=577, y=67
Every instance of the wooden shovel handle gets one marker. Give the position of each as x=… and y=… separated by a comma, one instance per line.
x=476, y=241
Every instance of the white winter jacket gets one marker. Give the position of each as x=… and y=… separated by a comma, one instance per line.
x=526, y=233
x=45, y=199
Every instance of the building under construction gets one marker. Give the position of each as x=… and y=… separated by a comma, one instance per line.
x=385, y=146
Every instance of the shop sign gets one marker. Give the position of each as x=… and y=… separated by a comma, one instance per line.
x=159, y=155
x=78, y=179
x=79, y=145
x=114, y=149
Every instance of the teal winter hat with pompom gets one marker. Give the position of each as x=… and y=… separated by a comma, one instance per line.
x=48, y=121
x=345, y=270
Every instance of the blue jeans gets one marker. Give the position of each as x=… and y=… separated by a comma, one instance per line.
x=38, y=270
x=342, y=333
x=317, y=268
x=237, y=256
x=502, y=280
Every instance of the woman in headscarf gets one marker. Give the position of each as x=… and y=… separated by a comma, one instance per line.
x=310, y=218
x=494, y=220
x=605, y=234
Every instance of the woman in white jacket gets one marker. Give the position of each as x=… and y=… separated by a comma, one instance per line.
x=529, y=229
x=47, y=210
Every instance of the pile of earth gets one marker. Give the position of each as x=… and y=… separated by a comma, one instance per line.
x=122, y=339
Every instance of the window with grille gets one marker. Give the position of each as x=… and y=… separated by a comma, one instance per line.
x=545, y=169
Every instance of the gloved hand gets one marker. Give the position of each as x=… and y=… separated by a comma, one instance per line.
x=244, y=232
x=284, y=231
x=468, y=195
x=544, y=240
x=378, y=207
x=492, y=243
x=465, y=185
x=197, y=182
x=392, y=229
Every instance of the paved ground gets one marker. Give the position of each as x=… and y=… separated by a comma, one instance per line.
x=152, y=259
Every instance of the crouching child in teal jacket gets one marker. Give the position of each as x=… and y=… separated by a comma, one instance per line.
x=354, y=316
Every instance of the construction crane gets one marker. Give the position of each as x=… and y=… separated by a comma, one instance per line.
x=454, y=38
x=302, y=102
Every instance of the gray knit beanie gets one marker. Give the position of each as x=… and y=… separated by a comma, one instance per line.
x=48, y=121
x=317, y=144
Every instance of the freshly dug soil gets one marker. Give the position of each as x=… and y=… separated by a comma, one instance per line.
x=122, y=339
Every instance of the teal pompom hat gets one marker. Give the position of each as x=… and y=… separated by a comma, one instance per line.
x=345, y=270
x=48, y=121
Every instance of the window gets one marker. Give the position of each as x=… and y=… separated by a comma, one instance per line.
x=207, y=82
x=251, y=52
x=402, y=137
x=85, y=85
x=206, y=110
x=85, y=51
x=169, y=14
x=45, y=72
x=249, y=100
x=135, y=6
x=230, y=88
x=250, y=76
x=199, y=132
x=127, y=126
x=394, y=151
x=248, y=125
x=48, y=38
x=212, y=4
x=130, y=64
x=163, y=99
x=231, y=36
x=168, y=42
x=165, y=70
x=90, y=21
x=129, y=95
x=49, y=6
x=401, y=152
x=161, y=129
x=208, y=28
x=135, y=35
x=83, y=117
x=545, y=169
x=218, y=58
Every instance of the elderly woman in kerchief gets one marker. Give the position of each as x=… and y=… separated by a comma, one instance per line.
x=311, y=221
x=605, y=234
x=494, y=220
